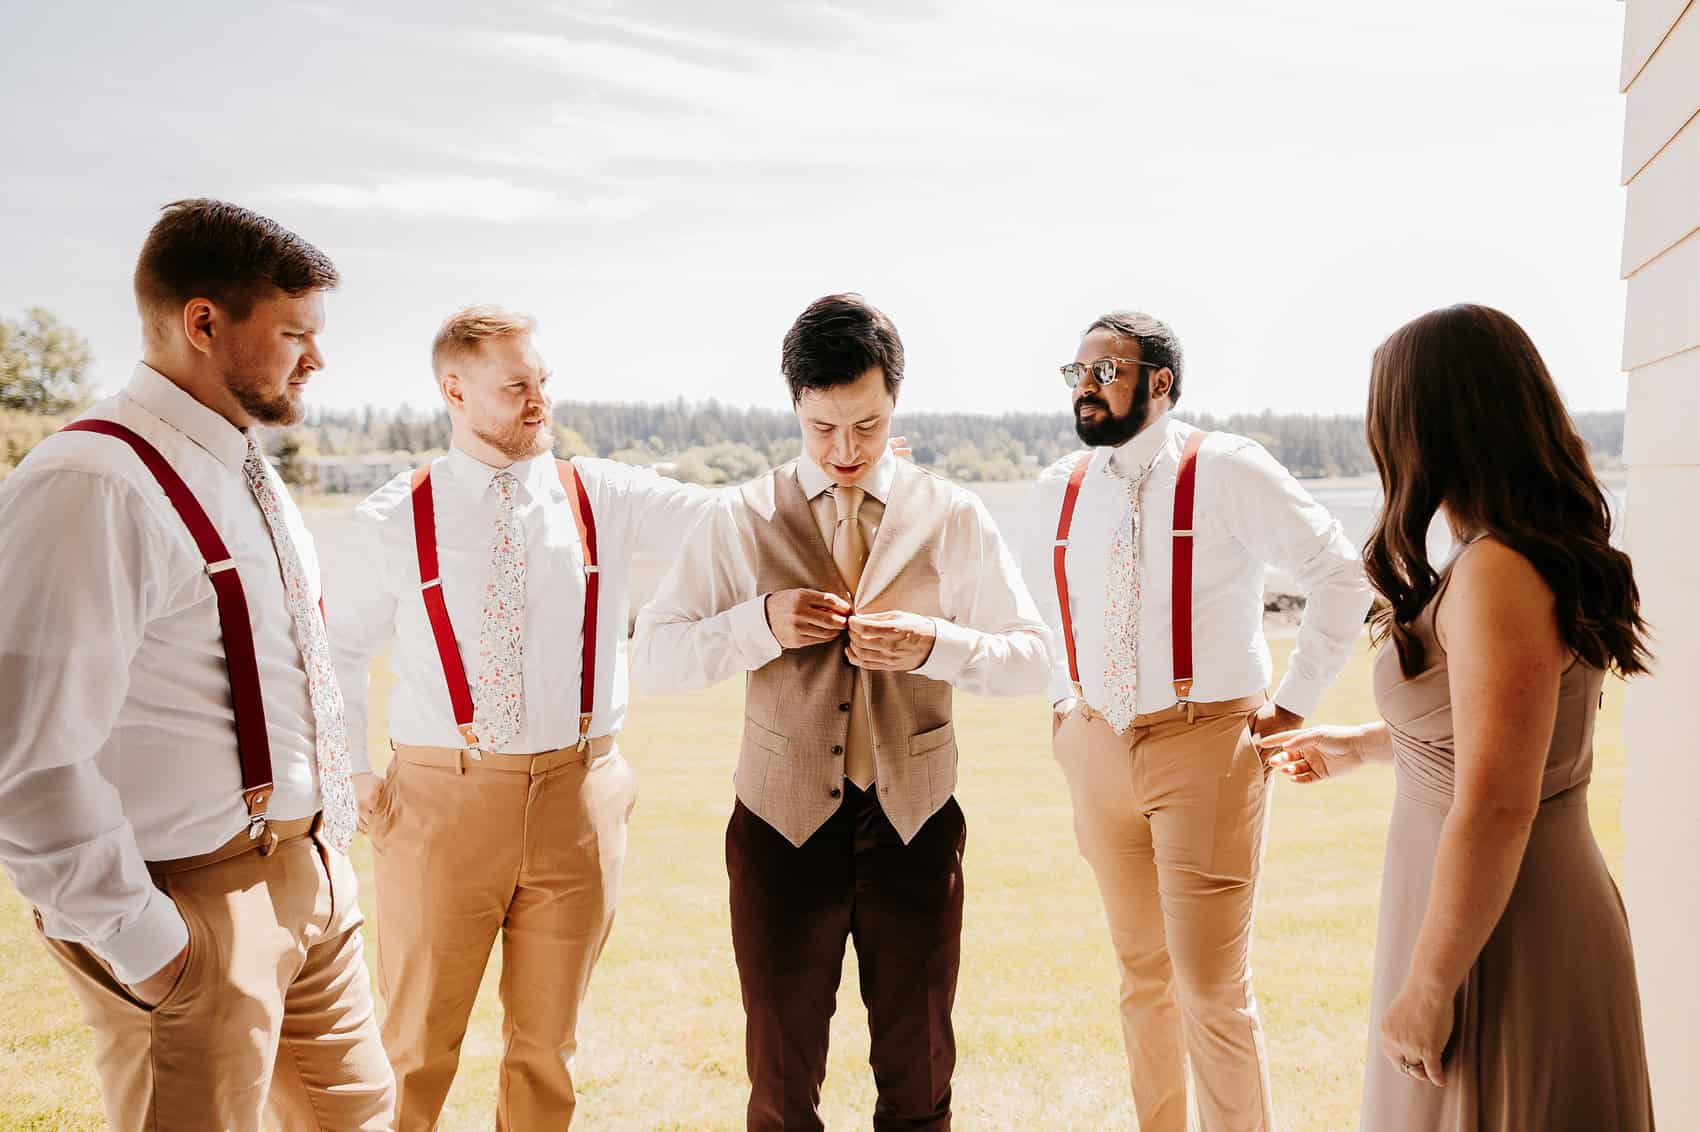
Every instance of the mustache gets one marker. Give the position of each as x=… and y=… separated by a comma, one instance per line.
x=1090, y=400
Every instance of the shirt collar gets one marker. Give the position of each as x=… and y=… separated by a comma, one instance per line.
x=1135, y=455
x=877, y=482
x=172, y=404
x=471, y=476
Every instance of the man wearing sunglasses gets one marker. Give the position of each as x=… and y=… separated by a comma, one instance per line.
x=1154, y=586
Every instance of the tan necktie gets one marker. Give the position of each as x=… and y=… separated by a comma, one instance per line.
x=850, y=554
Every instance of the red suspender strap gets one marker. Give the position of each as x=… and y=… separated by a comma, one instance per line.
x=1186, y=485
x=252, y=746
x=431, y=589
x=1059, y=565
x=585, y=518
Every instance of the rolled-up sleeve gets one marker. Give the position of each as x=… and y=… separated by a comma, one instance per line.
x=83, y=568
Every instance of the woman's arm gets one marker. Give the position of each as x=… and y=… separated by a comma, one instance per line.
x=1505, y=657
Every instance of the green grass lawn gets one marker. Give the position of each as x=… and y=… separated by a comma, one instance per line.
x=1039, y=1043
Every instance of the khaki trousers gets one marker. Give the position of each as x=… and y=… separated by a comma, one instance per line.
x=272, y=1014
x=525, y=846
x=1171, y=817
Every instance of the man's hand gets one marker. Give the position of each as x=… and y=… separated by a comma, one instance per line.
x=890, y=642
x=1060, y=711
x=800, y=618
x=153, y=989
x=1269, y=719
x=366, y=787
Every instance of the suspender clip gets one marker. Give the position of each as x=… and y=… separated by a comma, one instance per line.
x=220, y=566
x=583, y=730
x=469, y=743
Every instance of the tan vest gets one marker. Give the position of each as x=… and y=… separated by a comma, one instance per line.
x=797, y=706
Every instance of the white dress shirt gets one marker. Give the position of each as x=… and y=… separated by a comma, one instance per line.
x=119, y=742
x=708, y=622
x=1249, y=512
x=373, y=598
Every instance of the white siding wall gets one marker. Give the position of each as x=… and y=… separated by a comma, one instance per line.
x=1661, y=351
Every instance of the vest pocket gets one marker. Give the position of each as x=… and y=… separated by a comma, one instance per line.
x=932, y=740
x=758, y=750
x=770, y=741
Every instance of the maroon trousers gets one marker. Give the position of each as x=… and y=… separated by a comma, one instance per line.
x=793, y=907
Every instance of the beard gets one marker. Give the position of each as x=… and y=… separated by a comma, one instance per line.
x=268, y=406
x=1110, y=430
x=514, y=442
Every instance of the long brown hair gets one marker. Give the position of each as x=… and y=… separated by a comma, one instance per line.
x=1463, y=412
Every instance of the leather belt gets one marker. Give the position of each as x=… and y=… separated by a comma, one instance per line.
x=244, y=842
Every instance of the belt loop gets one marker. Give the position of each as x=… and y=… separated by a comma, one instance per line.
x=1191, y=711
x=460, y=760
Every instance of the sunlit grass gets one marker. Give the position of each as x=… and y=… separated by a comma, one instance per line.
x=1039, y=1044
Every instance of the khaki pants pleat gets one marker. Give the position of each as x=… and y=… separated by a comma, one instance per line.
x=272, y=1017
x=1171, y=818
x=463, y=858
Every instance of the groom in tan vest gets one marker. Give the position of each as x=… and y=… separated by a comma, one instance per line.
x=855, y=590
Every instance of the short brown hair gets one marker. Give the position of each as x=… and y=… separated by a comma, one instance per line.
x=465, y=330
x=835, y=341
x=213, y=249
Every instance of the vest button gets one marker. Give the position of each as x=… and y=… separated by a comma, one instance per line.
x=834, y=792
x=846, y=707
x=837, y=750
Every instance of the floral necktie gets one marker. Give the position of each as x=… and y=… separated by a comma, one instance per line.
x=1121, y=608
x=330, y=733
x=499, y=700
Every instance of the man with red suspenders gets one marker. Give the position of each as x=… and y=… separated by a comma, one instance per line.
x=1154, y=585
x=502, y=577
x=175, y=796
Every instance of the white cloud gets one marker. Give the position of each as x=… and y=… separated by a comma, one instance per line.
x=490, y=199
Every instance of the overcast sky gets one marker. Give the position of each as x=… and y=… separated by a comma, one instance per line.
x=666, y=183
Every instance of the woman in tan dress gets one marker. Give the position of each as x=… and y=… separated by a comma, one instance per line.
x=1505, y=996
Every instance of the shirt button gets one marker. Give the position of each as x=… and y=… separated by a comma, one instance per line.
x=837, y=750
x=846, y=707
x=834, y=792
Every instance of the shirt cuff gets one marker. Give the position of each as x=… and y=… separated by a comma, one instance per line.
x=1299, y=696
x=1061, y=688
x=751, y=633
x=150, y=941
x=953, y=645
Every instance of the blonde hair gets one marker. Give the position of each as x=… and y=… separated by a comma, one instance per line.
x=465, y=330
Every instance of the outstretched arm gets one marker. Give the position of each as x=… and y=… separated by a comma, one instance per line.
x=1278, y=521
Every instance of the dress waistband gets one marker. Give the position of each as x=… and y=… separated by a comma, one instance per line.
x=1419, y=779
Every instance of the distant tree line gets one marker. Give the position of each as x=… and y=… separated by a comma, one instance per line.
x=714, y=443
x=45, y=377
